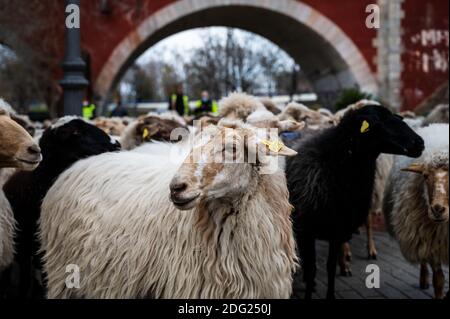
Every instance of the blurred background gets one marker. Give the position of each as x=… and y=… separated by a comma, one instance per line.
x=137, y=53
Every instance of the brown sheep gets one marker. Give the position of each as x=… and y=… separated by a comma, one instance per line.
x=148, y=128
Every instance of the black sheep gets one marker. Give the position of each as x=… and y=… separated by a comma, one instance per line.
x=331, y=181
x=63, y=144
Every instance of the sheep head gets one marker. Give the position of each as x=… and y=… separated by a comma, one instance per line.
x=239, y=106
x=353, y=107
x=18, y=147
x=72, y=138
x=224, y=165
x=313, y=119
x=154, y=128
x=265, y=119
x=435, y=180
x=376, y=130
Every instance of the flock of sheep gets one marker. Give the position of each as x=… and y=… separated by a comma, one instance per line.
x=142, y=213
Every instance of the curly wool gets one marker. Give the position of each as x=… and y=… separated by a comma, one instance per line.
x=406, y=205
x=5, y=106
x=300, y=112
x=7, y=229
x=239, y=106
x=7, y=223
x=270, y=105
x=131, y=242
x=128, y=137
x=383, y=168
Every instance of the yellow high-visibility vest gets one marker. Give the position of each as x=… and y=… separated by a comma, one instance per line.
x=214, y=106
x=185, y=103
x=88, y=111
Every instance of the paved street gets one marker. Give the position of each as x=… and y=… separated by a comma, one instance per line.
x=399, y=279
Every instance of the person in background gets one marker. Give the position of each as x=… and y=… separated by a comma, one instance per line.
x=179, y=101
x=206, y=105
x=88, y=110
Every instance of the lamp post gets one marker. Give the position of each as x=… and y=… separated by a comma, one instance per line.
x=294, y=81
x=73, y=81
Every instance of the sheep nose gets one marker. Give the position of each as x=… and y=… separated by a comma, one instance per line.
x=34, y=149
x=438, y=210
x=177, y=187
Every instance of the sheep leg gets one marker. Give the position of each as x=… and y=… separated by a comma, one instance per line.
x=345, y=258
x=438, y=280
x=424, y=276
x=307, y=251
x=370, y=242
x=333, y=251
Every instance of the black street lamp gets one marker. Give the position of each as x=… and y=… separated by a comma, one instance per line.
x=73, y=81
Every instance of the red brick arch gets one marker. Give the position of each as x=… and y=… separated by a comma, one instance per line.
x=351, y=63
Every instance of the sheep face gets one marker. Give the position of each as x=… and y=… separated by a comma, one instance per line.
x=223, y=166
x=436, y=190
x=18, y=147
x=381, y=131
x=76, y=139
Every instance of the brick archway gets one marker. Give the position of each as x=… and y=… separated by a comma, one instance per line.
x=339, y=49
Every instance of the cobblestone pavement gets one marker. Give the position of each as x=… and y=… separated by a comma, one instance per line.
x=398, y=278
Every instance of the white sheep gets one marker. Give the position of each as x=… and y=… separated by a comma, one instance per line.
x=17, y=150
x=239, y=106
x=226, y=234
x=314, y=119
x=263, y=118
x=270, y=105
x=439, y=114
x=416, y=205
x=7, y=229
x=7, y=223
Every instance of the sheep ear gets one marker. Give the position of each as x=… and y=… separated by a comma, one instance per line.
x=414, y=168
x=290, y=126
x=278, y=148
x=365, y=127
x=147, y=131
x=286, y=151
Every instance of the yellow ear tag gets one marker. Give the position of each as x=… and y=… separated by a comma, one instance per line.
x=145, y=134
x=274, y=146
x=365, y=127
